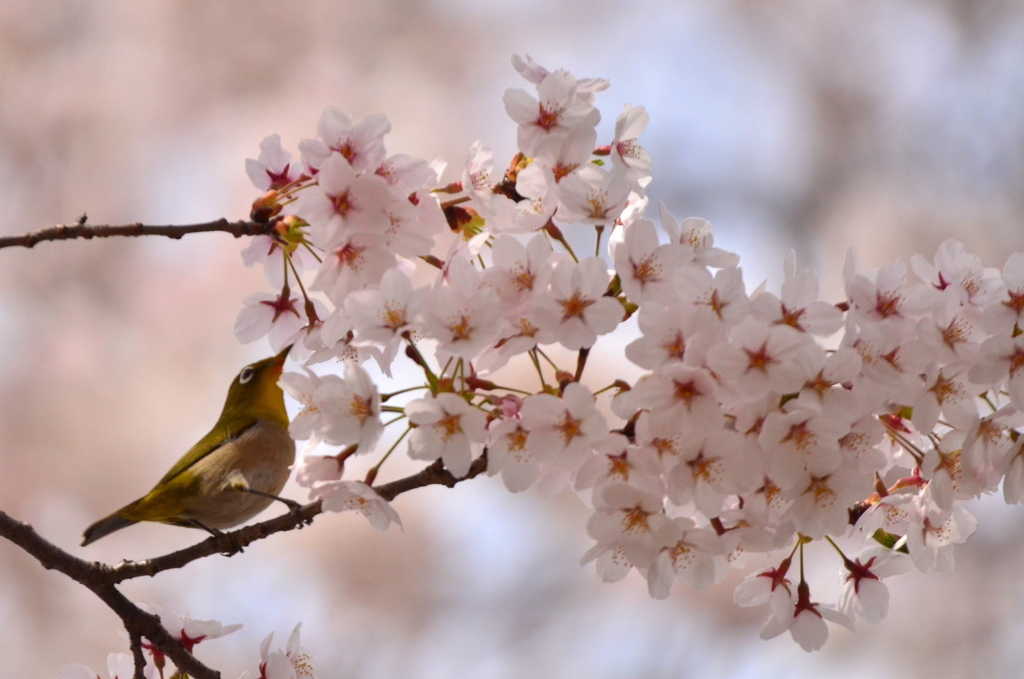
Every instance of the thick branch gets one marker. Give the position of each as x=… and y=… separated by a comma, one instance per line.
x=83, y=230
x=232, y=542
x=101, y=578
x=94, y=576
x=226, y=543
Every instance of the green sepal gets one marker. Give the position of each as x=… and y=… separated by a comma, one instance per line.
x=888, y=540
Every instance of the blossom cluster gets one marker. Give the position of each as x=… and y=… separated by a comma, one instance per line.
x=767, y=425
x=292, y=662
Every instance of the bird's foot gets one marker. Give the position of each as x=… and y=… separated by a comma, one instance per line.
x=231, y=551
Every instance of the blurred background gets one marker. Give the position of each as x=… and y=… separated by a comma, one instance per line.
x=888, y=126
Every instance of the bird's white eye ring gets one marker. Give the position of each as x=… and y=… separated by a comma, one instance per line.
x=246, y=374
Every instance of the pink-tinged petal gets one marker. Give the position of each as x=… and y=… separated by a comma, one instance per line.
x=809, y=630
x=520, y=106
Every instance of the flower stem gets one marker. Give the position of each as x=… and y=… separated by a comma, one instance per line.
x=372, y=474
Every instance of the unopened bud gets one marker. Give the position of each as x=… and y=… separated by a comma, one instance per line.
x=265, y=207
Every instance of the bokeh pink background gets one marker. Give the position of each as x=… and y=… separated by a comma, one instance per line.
x=818, y=125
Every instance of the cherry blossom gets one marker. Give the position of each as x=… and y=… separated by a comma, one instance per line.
x=694, y=234
x=279, y=317
x=721, y=300
x=273, y=169
x=403, y=173
x=645, y=268
x=357, y=260
x=508, y=455
x=956, y=280
x=189, y=631
x=361, y=144
x=694, y=556
x=932, y=532
x=380, y=317
x=615, y=460
x=764, y=423
x=798, y=307
x=343, y=199
x=593, y=195
x=758, y=359
x=563, y=431
x=465, y=316
x=1006, y=313
x=668, y=333
x=625, y=149
x=864, y=594
x=446, y=427
x=631, y=519
x=343, y=496
x=293, y=662
x=349, y=409
x=576, y=309
x=543, y=121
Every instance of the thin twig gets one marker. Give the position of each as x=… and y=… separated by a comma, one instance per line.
x=87, y=231
x=135, y=642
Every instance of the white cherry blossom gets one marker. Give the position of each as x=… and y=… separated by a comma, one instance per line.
x=563, y=432
x=448, y=428
x=576, y=308
x=626, y=151
x=695, y=556
x=281, y=316
x=593, y=195
x=645, y=268
x=349, y=409
x=798, y=307
x=361, y=144
x=694, y=234
x=543, y=121
x=343, y=496
x=380, y=317
x=864, y=594
x=343, y=200
x=273, y=169
x=1006, y=312
x=758, y=359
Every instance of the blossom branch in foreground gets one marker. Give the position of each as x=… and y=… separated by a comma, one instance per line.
x=101, y=578
x=232, y=542
x=87, y=231
x=92, y=575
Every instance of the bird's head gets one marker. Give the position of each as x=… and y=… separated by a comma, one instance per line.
x=254, y=391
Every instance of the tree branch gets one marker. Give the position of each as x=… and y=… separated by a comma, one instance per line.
x=87, y=231
x=226, y=543
x=433, y=475
x=234, y=541
x=135, y=642
x=93, y=576
x=102, y=579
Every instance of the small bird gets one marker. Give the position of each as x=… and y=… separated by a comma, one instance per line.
x=233, y=473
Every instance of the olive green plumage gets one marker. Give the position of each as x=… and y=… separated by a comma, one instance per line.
x=248, y=449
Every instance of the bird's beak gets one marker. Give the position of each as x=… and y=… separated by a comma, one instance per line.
x=279, y=360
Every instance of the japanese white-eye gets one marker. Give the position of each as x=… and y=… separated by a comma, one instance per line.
x=233, y=473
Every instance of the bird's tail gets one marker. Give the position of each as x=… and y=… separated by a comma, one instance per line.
x=104, y=527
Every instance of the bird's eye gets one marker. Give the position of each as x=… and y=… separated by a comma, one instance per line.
x=245, y=375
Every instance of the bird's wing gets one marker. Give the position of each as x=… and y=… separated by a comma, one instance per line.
x=221, y=434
